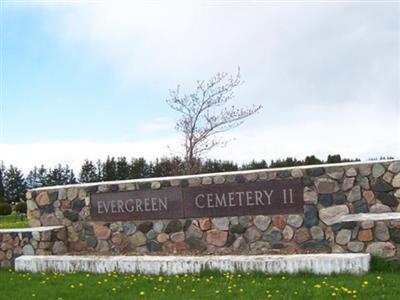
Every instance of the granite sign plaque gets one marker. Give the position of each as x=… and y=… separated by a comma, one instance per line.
x=217, y=200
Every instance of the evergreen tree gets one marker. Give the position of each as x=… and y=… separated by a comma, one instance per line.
x=253, y=165
x=14, y=185
x=37, y=177
x=287, y=162
x=60, y=176
x=168, y=167
x=139, y=168
x=214, y=166
x=109, y=169
x=89, y=172
x=122, y=168
x=312, y=160
x=334, y=159
x=2, y=168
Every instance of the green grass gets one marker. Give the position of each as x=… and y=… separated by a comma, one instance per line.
x=381, y=283
x=12, y=221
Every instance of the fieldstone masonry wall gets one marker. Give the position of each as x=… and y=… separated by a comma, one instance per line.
x=31, y=241
x=330, y=191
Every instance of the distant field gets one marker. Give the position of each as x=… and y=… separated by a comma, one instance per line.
x=381, y=283
x=12, y=221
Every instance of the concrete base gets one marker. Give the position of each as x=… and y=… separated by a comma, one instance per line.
x=356, y=263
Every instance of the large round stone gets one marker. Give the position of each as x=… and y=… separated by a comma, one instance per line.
x=173, y=226
x=262, y=222
x=326, y=186
x=102, y=232
x=381, y=232
x=355, y=246
x=330, y=215
x=295, y=220
x=302, y=235
x=217, y=237
x=42, y=199
x=221, y=223
x=343, y=236
x=310, y=216
x=252, y=234
x=383, y=249
x=137, y=239
x=378, y=170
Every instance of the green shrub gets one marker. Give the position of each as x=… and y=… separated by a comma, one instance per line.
x=5, y=209
x=21, y=207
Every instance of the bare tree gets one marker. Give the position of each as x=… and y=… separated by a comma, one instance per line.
x=205, y=113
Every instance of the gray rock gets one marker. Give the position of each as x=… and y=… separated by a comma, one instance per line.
x=365, y=170
x=387, y=199
x=129, y=228
x=317, y=233
x=240, y=244
x=326, y=186
x=274, y=235
x=245, y=221
x=310, y=216
x=28, y=250
x=238, y=228
x=315, y=172
x=383, y=249
x=91, y=242
x=145, y=226
x=158, y=226
x=155, y=185
x=348, y=183
x=252, y=234
x=339, y=198
x=378, y=170
x=194, y=231
x=78, y=204
x=343, y=236
x=59, y=248
x=329, y=215
x=335, y=172
x=295, y=220
x=394, y=167
x=297, y=173
x=31, y=205
x=351, y=172
x=137, y=239
x=116, y=227
x=381, y=232
x=262, y=222
x=219, y=179
x=322, y=246
x=310, y=196
x=355, y=194
x=325, y=199
x=382, y=186
x=173, y=226
x=153, y=246
x=363, y=182
x=177, y=237
x=287, y=233
x=196, y=244
x=359, y=207
x=379, y=208
x=355, y=246
x=221, y=223
x=151, y=235
x=260, y=246
x=395, y=235
x=71, y=215
x=396, y=181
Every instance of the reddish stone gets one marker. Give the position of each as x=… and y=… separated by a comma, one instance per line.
x=205, y=224
x=217, y=237
x=45, y=236
x=49, y=220
x=102, y=232
x=77, y=246
x=181, y=246
x=117, y=239
x=17, y=250
x=369, y=197
x=302, y=235
x=62, y=234
x=2, y=255
x=365, y=235
x=65, y=204
x=279, y=221
x=45, y=245
x=168, y=247
x=42, y=199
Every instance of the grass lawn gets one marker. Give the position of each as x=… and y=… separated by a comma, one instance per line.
x=381, y=283
x=12, y=221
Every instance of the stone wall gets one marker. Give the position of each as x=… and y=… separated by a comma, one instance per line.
x=31, y=241
x=329, y=192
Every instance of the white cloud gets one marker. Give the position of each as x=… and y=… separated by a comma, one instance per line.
x=327, y=75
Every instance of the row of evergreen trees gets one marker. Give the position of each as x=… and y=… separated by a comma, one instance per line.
x=13, y=183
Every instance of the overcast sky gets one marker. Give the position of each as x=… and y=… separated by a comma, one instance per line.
x=90, y=80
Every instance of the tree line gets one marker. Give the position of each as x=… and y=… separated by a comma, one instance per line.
x=14, y=184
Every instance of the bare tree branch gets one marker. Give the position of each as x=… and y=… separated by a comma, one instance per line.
x=204, y=114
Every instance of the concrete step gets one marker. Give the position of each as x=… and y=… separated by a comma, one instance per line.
x=356, y=263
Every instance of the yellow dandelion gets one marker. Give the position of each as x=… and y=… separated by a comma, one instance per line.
x=333, y=294
x=317, y=286
x=217, y=291
x=33, y=295
x=72, y=286
x=141, y=293
x=193, y=291
x=241, y=290
x=365, y=282
x=114, y=289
